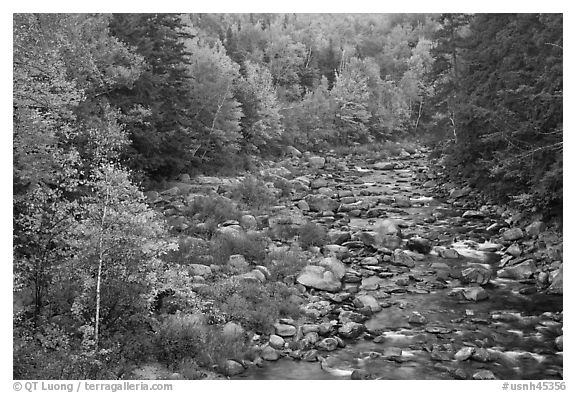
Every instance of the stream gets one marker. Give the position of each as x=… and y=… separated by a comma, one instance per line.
x=424, y=328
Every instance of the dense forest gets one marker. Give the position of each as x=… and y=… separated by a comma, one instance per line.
x=109, y=108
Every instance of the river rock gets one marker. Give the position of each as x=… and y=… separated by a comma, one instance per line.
x=403, y=259
x=476, y=274
x=338, y=237
x=316, y=162
x=521, y=271
x=276, y=342
x=387, y=227
x=284, y=330
x=473, y=214
x=327, y=344
x=303, y=205
x=384, y=165
x=557, y=282
x=238, y=262
x=351, y=330
x=559, y=342
x=419, y=244
x=368, y=301
x=513, y=234
x=535, y=228
x=371, y=261
x=310, y=356
x=310, y=338
x=371, y=283
x=514, y=250
x=199, y=270
x=248, y=222
x=475, y=294
x=233, y=368
x=448, y=253
x=484, y=375
x=464, y=354
x=481, y=355
x=232, y=330
x=335, y=266
x=269, y=353
x=350, y=316
x=321, y=203
x=319, y=277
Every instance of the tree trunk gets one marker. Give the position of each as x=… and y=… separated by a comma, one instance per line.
x=419, y=115
x=100, y=265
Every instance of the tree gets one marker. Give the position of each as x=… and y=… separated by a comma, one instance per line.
x=352, y=96
x=162, y=144
x=214, y=78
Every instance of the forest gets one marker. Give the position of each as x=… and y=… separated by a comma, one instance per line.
x=121, y=118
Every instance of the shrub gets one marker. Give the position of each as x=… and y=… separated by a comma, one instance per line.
x=253, y=193
x=284, y=186
x=283, y=264
x=312, y=234
x=212, y=210
x=251, y=245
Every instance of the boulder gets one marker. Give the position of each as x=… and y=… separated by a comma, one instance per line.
x=484, y=375
x=319, y=277
x=476, y=274
x=321, y=203
x=419, y=244
x=318, y=183
x=384, y=165
x=269, y=353
x=327, y=344
x=291, y=150
x=557, y=281
x=233, y=368
x=199, y=270
x=464, y=354
x=276, y=342
x=335, y=266
x=284, y=330
x=473, y=214
x=351, y=330
x=317, y=162
x=370, y=261
x=514, y=250
x=535, y=228
x=521, y=271
x=238, y=262
x=475, y=294
x=248, y=222
x=403, y=259
x=368, y=301
x=338, y=237
x=387, y=227
x=559, y=342
x=513, y=234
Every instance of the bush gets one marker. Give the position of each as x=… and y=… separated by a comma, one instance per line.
x=283, y=264
x=212, y=211
x=284, y=186
x=255, y=306
x=253, y=193
x=251, y=245
x=312, y=234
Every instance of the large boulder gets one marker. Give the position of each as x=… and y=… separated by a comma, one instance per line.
x=232, y=330
x=199, y=270
x=535, y=228
x=317, y=162
x=476, y=274
x=284, y=330
x=351, y=330
x=519, y=272
x=321, y=203
x=335, y=266
x=319, y=277
x=513, y=234
x=403, y=259
x=238, y=263
x=233, y=368
x=557, y=282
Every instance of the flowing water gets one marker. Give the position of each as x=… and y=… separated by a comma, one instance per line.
x=515, y=326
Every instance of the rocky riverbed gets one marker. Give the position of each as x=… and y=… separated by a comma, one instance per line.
x=420, y=279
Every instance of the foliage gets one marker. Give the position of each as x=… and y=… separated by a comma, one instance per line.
x=253, y=193
x=285, y=264
x=312, y=234
x=251, y=245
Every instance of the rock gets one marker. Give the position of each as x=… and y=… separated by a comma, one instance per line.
x=448, y=253
x=513, y=234
x=464, y=354
x=371, y=261
x=303, y=205
x=384, y=165
x=269, y=353
x=317, y=162
x=248, y=222
x=391, y=353
x=152, y=196
x=473, y=214
x=521, y=271
x=514, y=250
x=368, y=301
x=237, y=262
x=276, y=342
x=481, y=355
x=321, y=203
x=310, y=356
x=403, y=259
x=475, y=294
x=459, y=192
x=232, y=330
x=318, y=183
x=351, y=330
x=335, y=266
x=291, y=150
x=402, y=201
x=476, y=274
x=484, y=375
x=556, y=282
x=419, y=244
x=351, y=316
x=559, y=342
x=184, y=177
x=284, y=330
x=387, y=227
x=338, y=237
x=371, y=283
x=319, y=277
x=310, y=338
x=417, y=318
x=327, y=344
x=535, y=228
x=233, y=368
x=199, y=270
